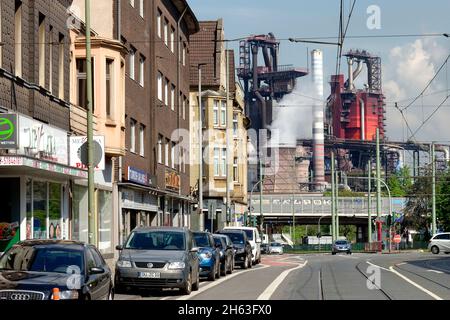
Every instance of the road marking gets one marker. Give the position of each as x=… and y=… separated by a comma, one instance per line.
x=400, y=264
x=217, y=282
x=374, y=265
x=434, y=296
x=275, y=284
x=435, y=271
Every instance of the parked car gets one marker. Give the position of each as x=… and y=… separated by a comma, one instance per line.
x=341, y=246
x=157, y=258
x=54, y=270
x=254, y=239
x=225, y=245
x=242, y=247
x=276, y=247
x=208, y=254
x=440, y=242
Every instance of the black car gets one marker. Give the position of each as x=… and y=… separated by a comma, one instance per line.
x=54, y=270
x=242, y=247
x=225, y=245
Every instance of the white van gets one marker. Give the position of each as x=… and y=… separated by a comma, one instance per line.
x=254, y=239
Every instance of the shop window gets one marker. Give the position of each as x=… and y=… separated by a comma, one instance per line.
x=29, y=208
x=39, y=210
x=54, y=211
x=104, y=201
x=79, y=213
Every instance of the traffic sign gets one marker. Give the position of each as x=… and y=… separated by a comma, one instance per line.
x=397, y=238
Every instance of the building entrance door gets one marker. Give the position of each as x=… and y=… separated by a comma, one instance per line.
x=10, y=212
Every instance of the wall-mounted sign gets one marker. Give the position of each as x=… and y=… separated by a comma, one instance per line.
x=78, y=152
x=141, y=177
x=41, y=141
x=8, y=131
x=172, y=180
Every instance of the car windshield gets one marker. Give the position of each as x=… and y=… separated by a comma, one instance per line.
x=42, y=259
x=156, y=240
x=218, y=242
x=249, y=234
x=201, y=240
x=236, y=238
x=343, y=242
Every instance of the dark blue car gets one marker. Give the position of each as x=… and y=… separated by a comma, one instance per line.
x=208, y=254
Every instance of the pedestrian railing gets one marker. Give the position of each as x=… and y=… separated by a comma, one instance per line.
x=358, y=247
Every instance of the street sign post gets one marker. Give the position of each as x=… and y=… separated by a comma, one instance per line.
x=397, y=238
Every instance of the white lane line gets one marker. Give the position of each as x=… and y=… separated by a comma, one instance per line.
x=401, y=264
x=434, y=296
x=217, y=282
x=374, y=265
x=436, y=271
x=274, y=285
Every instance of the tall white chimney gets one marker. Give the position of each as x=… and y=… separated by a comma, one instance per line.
x=318, y=124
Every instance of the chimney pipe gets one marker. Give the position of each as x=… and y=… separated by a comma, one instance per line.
x=350, y=74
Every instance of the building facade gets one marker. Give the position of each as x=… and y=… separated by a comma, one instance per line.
x=219, y=118
x=35, y=174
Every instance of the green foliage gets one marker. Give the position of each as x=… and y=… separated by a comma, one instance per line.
x=418, y=206
x=443, y=202
x=400, y=183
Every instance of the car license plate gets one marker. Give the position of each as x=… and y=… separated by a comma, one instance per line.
x=149, y=275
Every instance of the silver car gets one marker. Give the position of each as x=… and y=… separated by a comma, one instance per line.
x=276, y=247
x=440, y=242
x=343, y=246
x=157, y=258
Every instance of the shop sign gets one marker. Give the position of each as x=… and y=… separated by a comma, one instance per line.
x=41, y=141
x=172, y=180
x=8, y=131
x=78, y=152
x=141, y=177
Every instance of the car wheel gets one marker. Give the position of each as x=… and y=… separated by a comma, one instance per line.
x=111, y=293
x=250, y=262
x=349, y=252
x=223, y=271
x=218, y=271
x=212, y=275
x=245, y=264
x=119, y=289
x=435, y=250
x=333, y=253
x=196, y=285
x=187, y=289
x=230, y=268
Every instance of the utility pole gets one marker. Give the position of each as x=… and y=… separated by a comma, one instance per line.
x=260, y=190
x=200, y=147
x=378, y=178
x=333, y=203
x=369, y=203
x=336, y=206
x=228, y=132
x=92, y=221
x=433, y=189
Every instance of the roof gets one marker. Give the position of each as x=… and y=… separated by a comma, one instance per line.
x=189, y=17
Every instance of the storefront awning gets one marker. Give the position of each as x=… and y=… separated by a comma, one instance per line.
x=24, y=165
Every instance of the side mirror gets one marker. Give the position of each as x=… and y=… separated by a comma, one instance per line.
x=195, y=249
x=119, y=248
x=96, y=270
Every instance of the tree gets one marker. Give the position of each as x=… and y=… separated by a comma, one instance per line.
x=400, y=183
x=443, y=202
x=418, y=205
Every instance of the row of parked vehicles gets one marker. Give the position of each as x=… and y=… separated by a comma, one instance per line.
x=151, y=258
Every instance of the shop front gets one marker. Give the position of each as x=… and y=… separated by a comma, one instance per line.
x=35, y=179
x=138, y=201
x=173, y=207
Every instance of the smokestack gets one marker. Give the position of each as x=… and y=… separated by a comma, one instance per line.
x=318, y=127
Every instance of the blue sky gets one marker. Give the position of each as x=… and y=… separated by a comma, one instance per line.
x=319, y=18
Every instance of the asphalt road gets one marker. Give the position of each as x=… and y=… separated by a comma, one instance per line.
x=404, y=276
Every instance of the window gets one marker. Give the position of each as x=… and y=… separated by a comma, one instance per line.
x=166, y=91
x=18, y=39
x=158, y=22
x=132, y=3
x=172, y=39
x=141, y=70
x=184, y=54
x=41, y=41
x=172, y=98
x=172, y=155
x=82, y=83
x=166, y=152
x=216, y=112
x=204, y=120
x=132, y=135
x=223, y=113
x=141, y=140
x=235, y=124
x=61, y=67
x=132, y=60
x=224, y=162
x=166, y=32
x=109, y=86
x=141, y=8
x=235, y=170
x=105, y=218
x=160, y=86
x=216, y=162
x=50, y=59
x=160, y=138
x=184, y=108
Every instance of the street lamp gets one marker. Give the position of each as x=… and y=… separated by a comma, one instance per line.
x=318, y=229
x=200, y=147
x=251, y=196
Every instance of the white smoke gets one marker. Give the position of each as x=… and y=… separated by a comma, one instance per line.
x=293, y=117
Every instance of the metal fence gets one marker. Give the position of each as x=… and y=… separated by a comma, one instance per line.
x=356, y=247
